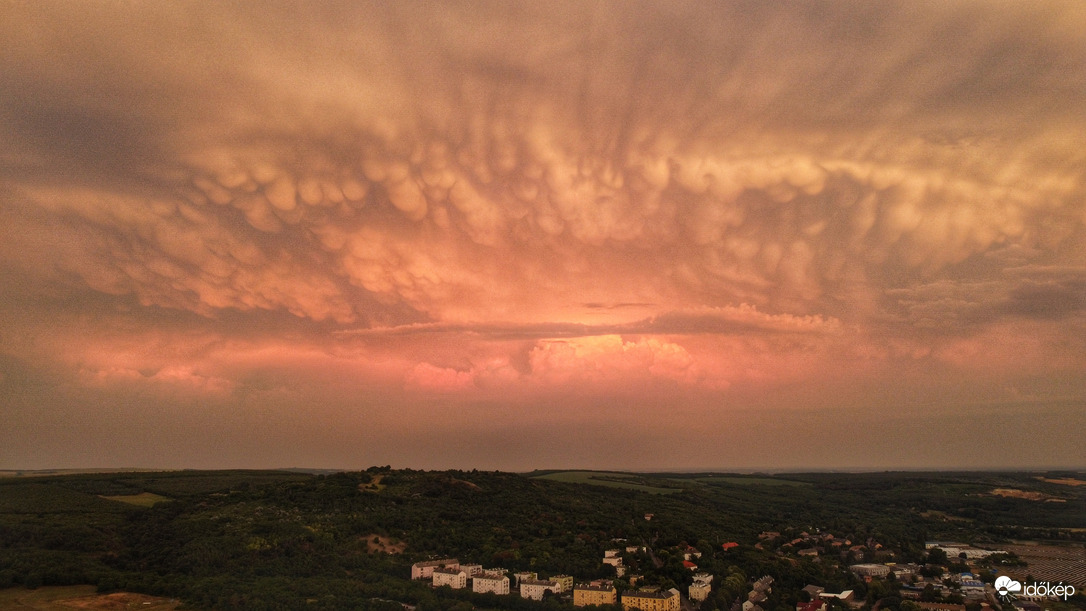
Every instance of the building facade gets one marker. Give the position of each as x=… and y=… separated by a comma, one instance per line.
x=535, y=588
x=651, y=601
x=454, y=578
x=699, y=590
x=594, y=595
x=425, y=570
x=565, y=582
x=490, y=582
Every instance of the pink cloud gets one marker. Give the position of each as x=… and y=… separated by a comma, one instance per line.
x=442, y=379
x=610, y=360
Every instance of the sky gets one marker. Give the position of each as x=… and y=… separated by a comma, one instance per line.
x=518, y=235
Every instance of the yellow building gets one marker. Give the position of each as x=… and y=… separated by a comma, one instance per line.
x=591, y=595
x=565, y=582
x=651, y=601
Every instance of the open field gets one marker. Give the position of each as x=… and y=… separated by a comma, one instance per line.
x=66, y=598
x=604, y=478
x=143, y=499
x=1064, y=481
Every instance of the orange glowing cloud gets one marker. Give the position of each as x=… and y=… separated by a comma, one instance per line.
x=384, y=210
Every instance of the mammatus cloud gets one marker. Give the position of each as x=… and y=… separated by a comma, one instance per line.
x=472, y=202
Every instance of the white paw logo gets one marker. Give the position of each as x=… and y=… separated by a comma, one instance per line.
x=1005, y=585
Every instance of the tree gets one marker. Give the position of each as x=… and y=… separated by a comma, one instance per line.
x=937, y=556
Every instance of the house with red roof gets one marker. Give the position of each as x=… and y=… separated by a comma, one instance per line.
x=814, y=605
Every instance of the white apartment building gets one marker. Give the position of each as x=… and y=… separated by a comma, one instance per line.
x=534, y=588
x=490, y=582
x=454, y=578
x=425, y=570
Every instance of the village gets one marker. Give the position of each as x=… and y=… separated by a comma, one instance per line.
x=930, y=586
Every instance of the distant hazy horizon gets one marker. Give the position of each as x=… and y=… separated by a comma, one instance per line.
x=498, y=235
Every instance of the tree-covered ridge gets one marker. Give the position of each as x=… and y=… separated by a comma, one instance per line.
x=241, y=539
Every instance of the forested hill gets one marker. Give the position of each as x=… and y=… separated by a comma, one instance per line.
x=276, y=539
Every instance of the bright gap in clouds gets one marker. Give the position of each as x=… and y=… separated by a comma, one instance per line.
x=511, y=236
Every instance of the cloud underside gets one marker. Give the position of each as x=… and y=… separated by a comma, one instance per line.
x=467, y=200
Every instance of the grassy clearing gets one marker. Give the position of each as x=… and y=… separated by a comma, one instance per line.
x=376, y=543
x=143, y=499
x=609, y=479
x=375, y=485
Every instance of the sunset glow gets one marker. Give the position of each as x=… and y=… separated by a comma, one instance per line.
x=518, y=235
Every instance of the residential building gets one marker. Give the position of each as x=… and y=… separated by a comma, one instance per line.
x=594, y=595
x=471, y=569
x=490, y=582
x=521, y=576
x=699, y=590
x=534, y=588
x=565, y=582
x=814, y=605
x=651, y=601
x=814, y=591
x=846, y=596
x=425, y=569
x=454, y=578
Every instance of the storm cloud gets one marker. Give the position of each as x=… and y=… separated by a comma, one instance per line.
x=357, y=215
